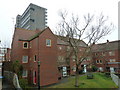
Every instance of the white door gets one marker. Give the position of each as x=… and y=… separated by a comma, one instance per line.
x=112, y=69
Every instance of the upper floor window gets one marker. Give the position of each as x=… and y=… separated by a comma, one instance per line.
x=35, y=58
x=68, y=48
x=112, y=60
x=60, y=48
x=74, y=68
x=97, y=61
x=25, y=59
x=60, y=58
x=103, y=53
x=48, y=42
x=100, y=61
x=111, y=53
x=88, y=58
x=96, y=54
x=25, y=45
x=73, y=57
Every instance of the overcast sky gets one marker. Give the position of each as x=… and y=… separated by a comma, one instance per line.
x=9, y=9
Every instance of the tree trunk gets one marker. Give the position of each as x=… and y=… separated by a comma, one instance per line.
x=76, y=77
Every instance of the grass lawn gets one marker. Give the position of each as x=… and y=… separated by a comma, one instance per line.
x=99, y=81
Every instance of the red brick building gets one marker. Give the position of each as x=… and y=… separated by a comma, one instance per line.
x=68, y=67
x=8, y=54
x=106, y=56
x=29, y=47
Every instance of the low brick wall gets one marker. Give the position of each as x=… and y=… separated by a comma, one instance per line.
x=116, y=79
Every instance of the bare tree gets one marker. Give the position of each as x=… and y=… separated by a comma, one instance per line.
x=90, y=30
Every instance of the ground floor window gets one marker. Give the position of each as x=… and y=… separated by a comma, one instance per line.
x=24, y=74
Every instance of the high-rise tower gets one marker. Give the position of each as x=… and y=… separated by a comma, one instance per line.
x=34, y=17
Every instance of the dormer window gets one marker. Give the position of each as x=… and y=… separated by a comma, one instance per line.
x=25, y=45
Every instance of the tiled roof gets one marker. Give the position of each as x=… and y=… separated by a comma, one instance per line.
x=28, y=35
x=113, y=45
x=63, y=41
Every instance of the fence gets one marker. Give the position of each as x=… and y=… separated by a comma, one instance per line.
x=12, y=78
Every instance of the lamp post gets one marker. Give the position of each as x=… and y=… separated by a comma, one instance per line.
x=38, y=75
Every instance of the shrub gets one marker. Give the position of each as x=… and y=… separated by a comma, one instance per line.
x=23, y=83
x=94, y=68
x=107, y=74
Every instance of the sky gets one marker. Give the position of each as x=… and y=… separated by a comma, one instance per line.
x=9, y=9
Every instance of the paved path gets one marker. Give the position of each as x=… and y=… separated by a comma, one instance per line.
x=4, y=84
x=7, y=85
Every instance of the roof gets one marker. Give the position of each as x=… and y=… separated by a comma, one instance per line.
x=63, y=41
x=28, y=35
x=34, y=34
x=113, y=45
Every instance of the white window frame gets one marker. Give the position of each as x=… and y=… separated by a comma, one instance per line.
x=26, y=73
x=100, y=62
x=103, y=53
x=47, y=42
x=23, y=61
x=60, y=48
x=27, y=45
x=34, y=58
x=111, y=53
x=112, y=60
x=74, y=68
x=97, y=61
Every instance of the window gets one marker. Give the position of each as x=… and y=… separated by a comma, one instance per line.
x=35, y=58
x=112, y=60
x=96, y=54
x=48, y=42
x=111, y=53
x=74, y=69
x=103, y=53
x=73, y=57
x=25, y=45
x=97, y=61
x=68, y=48
x=80, y=49
x=100, y=61
x=60, y=58
x=88, y=58
x=60, y=48
x=24, y=74
x=25, y=59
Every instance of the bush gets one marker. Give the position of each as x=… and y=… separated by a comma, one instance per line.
x=107, y=74
x=94, y=68
x=23, y=83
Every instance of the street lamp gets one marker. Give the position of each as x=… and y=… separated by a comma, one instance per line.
x=38, y=75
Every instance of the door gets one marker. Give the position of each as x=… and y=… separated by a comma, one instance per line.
x=34, y=77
